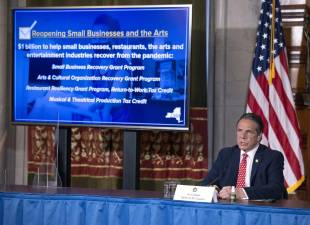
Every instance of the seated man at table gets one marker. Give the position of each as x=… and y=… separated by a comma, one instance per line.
x=254, y=169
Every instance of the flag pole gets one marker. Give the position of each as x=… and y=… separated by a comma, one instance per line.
x=271, y=53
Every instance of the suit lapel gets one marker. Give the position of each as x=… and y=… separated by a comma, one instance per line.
x=235, y=165
x=258, y=157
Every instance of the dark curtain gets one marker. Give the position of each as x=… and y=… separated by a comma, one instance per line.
x=97, y=154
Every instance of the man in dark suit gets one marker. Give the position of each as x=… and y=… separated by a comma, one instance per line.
x=255, y=169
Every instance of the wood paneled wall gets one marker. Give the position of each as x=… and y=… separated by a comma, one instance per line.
x=295, y=19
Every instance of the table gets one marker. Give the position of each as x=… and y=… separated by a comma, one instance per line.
x=26, y=205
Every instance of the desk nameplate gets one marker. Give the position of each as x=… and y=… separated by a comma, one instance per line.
x=195, y=193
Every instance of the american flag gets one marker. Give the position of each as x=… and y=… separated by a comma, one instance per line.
x=270, y=93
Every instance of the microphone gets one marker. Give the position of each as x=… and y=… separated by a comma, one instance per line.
x=271, y=200
x=214, y=181
x=219, y=176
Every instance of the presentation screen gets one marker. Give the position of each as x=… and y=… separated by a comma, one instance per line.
x=124, y=67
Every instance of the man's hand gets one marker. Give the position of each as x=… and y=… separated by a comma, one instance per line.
x=226, y=191
x=240, y=193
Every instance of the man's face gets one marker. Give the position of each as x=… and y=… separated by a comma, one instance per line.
x=247, y=136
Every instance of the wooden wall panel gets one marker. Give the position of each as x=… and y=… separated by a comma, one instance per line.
x=294, y=15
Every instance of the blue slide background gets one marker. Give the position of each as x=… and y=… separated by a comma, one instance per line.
x=35, y=107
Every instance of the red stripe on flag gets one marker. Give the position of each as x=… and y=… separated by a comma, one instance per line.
x=263, y=83
x=252, y=103
x=284, y=142
x=289, y=109
x=283, y=60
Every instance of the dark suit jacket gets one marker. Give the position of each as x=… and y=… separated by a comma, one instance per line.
x=267, y=180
